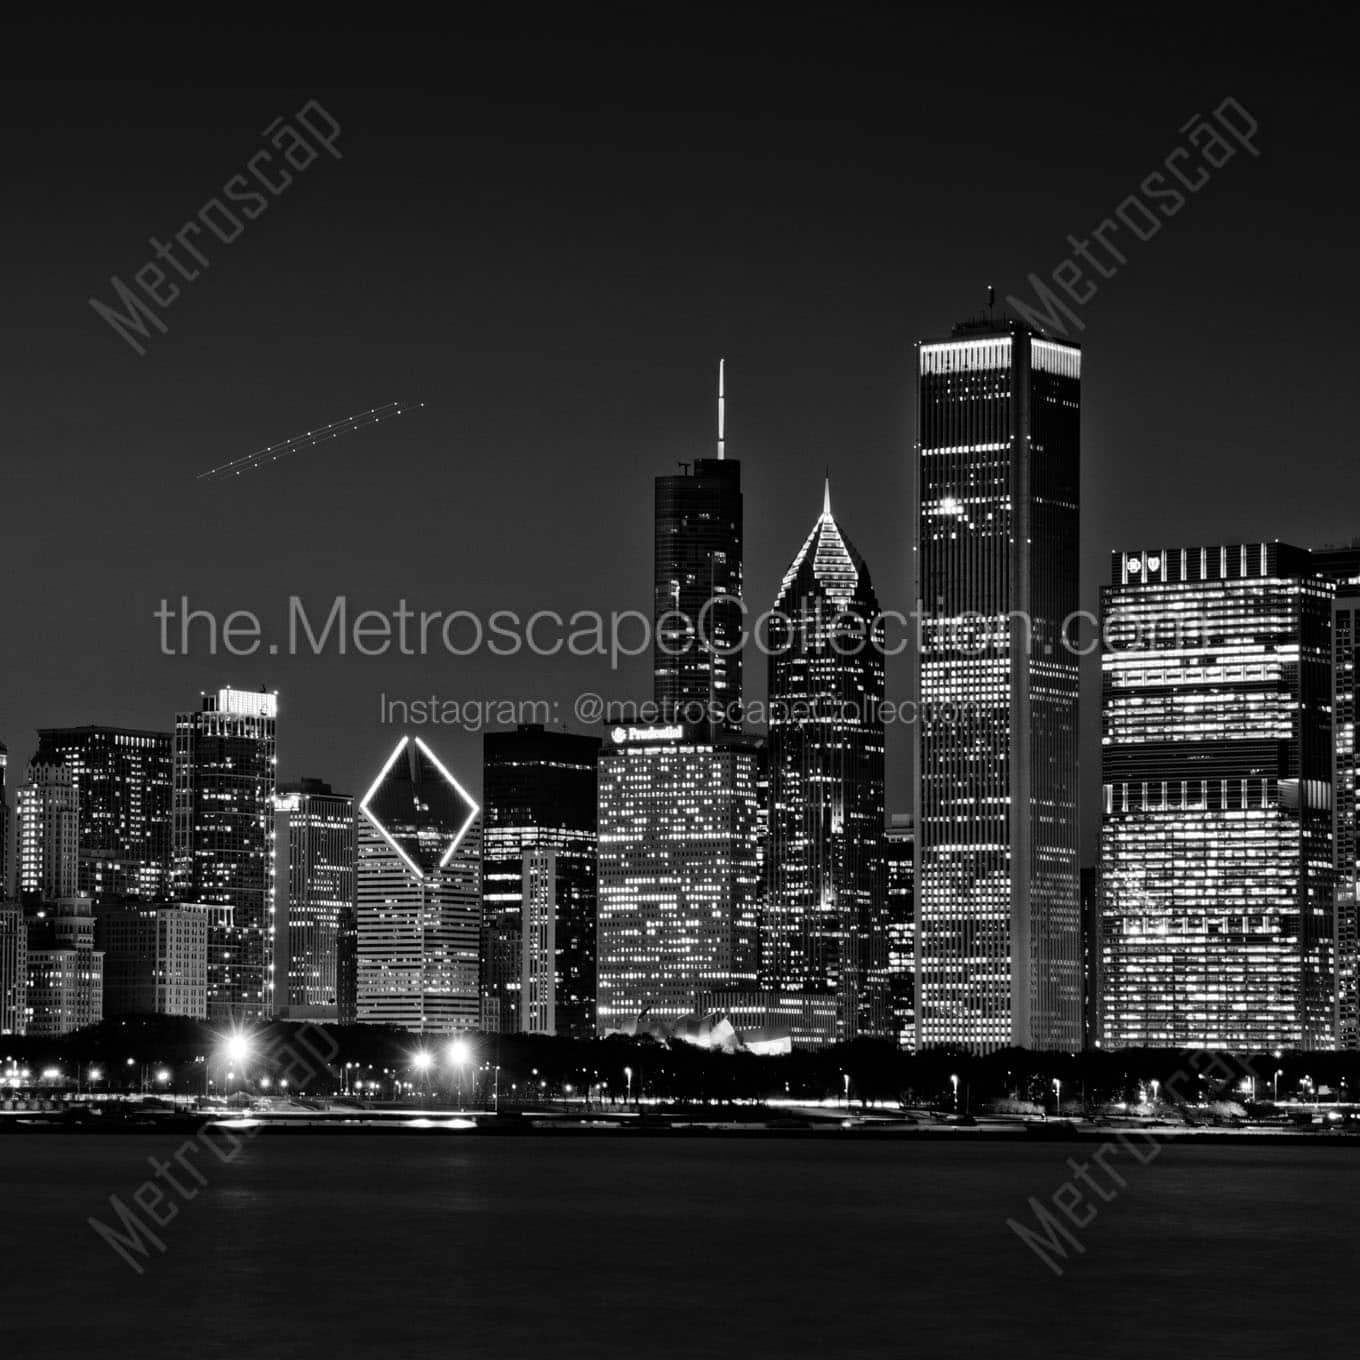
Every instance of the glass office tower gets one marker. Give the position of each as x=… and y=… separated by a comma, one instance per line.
x=1215, y=894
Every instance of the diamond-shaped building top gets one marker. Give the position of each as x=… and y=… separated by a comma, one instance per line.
x=421, y=810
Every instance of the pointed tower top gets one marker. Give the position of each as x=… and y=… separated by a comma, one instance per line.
x=722, y=413
x=826, y=496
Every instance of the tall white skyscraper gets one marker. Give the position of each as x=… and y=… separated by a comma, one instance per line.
x=997, y=890
x=419, y=897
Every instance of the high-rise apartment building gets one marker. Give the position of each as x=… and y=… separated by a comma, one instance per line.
x=123, y=781
x=678, y=873
x=316, y=849
x=49, y=835
x=419, y=897
x=997, y=464
x=539, y=795
x=824, y=927
x=223, y=822
x=1215, y=896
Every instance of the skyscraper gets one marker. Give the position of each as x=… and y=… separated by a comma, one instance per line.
x=123, y=781
x=825, y=927
x=1216, y=911
x=539, y=788
x=49, y=835
x=1346, y=810
x=419, y=897
x=678, y=873
x=998, y=445
x=697, y=588
x=223, y=820
x=316, y=849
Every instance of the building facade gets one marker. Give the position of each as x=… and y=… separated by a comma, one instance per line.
x=997, y=463
x=1216, y=923
x=13, y=971
x=418, y=914
x=824, y=928
x=222, y=837
x=539, y=790
x=316, y=851
x=900, y=855
x=123, y=780
x=65, y=969
x=6, y=831
x=1345, y=809
x=49, y=835
x=155, y=960
x=678, y=873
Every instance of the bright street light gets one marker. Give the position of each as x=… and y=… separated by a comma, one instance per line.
x=460, y=1052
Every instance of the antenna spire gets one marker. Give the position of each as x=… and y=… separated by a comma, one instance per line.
x=722, y=409
x=826, y=495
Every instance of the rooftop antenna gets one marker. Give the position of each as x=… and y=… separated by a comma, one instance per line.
x=991, y=300
x=722, y=409
x=826, y=495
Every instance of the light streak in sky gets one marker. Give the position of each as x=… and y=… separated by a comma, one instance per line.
x=248, y=462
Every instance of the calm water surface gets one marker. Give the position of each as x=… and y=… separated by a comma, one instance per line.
x=400, y=1246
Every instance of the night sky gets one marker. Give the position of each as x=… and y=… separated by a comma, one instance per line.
x=548, y=231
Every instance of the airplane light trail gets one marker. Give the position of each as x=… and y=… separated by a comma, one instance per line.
x=334, y=430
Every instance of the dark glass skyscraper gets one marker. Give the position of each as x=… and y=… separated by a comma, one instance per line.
x=998, y=455
x=316, y=850
x=825, y=928
x=1216, y=907
x=539, y=818
x=697, y=591
x=222, y=837
x=123, y=781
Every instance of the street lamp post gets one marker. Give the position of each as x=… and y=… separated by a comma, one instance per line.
x=954, y=1080
x=628, y=1077
x=460, y=1054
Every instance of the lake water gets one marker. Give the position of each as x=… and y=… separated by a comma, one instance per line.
x=714, y=1247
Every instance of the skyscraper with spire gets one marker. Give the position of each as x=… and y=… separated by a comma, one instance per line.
x=998, y=906
x=824, y=930
x=679, y=802
x=697, y=587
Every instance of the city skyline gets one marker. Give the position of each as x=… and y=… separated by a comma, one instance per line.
x=816, y=322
